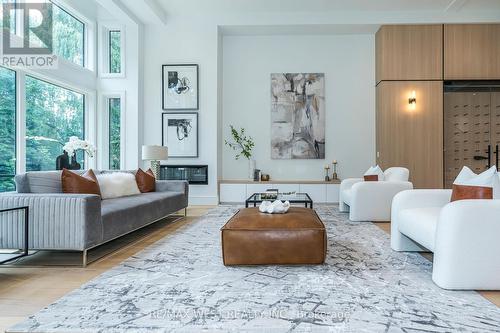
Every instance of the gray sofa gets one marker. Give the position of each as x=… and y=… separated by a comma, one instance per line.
x=79, y=222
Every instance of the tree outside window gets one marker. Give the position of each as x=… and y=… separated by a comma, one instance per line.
x=53, y=115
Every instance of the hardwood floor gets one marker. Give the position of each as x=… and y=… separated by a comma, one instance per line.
x=26, y=290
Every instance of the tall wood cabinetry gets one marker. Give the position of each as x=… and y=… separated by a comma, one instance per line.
x=419, y=59
x=409, y=59
x=472, y=52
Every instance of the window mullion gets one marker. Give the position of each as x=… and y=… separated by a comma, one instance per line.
x=21, y=122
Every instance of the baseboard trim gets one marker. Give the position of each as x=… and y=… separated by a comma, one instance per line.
x=203, y=200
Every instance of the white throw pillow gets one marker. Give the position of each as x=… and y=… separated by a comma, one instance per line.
x=117, y=184
x=488, y=178
x=376, y=170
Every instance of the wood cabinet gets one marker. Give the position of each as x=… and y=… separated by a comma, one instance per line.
x=409, y=52
x=471, y=51
x=411, y=138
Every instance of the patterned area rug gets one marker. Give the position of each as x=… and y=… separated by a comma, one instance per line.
x=179, y=284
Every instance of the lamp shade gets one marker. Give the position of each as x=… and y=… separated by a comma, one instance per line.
x=154, y=153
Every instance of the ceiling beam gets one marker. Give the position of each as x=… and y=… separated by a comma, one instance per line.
x=455, y=5
x=157, y=10
x=119, y=10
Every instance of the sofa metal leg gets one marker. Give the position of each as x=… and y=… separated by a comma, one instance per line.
x=185, y=212
x=84, y=258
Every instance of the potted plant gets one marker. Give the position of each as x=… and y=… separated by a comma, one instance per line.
x=243, y=145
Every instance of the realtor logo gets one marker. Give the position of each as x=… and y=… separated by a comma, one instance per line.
x=27, y=35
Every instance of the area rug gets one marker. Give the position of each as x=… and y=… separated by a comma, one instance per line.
x=179, y=284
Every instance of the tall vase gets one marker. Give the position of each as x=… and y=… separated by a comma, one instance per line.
x=251, y=168
x=74, y=164
x=62, y=161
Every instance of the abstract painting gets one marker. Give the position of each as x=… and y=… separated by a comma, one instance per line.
x=298, y=115
x=180, y=134
x=180, y=87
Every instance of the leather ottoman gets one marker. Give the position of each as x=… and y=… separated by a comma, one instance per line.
x=254, y=238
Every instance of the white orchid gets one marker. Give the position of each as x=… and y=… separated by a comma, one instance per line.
x=74, y=144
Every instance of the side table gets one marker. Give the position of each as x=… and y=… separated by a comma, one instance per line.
x=6, y=257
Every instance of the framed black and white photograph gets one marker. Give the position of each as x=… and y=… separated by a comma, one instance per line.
x=180, y=134
x=180, y=87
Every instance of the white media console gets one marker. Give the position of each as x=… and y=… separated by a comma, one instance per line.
x=237, y=191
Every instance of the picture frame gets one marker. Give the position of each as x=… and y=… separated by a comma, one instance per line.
x=179, y=133
x=180, y=87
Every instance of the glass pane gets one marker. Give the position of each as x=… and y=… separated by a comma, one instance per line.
x=114, y=133
x=53, y=115
x=68, y=35
x=7, y=129
x=12, y=16
x=114, y=52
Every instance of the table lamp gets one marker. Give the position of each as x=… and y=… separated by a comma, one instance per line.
x=155, y=154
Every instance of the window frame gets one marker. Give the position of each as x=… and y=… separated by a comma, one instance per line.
x=104, y=129
x=16, y=144
x=89, y=40
x=89, y=116
x=85, y=131
x=69, y=76
x=84, y=34
x=104, y=44
x=109, y=51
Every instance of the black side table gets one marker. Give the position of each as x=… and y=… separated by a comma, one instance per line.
x=11, y=256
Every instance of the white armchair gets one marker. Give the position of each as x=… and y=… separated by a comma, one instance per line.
x=371, y=201
x=464, y=236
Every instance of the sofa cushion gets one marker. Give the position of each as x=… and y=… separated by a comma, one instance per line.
x=469, y=185
x=420, y=225
x=117, y=184
x=145, y=180
x=376, y=170
x=80, y=184
x=125, y=214
x=41, y=181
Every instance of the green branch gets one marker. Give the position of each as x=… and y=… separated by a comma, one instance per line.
x=242, y=143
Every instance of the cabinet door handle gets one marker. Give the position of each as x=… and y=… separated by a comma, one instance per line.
x=496, y=156
x=489, y=157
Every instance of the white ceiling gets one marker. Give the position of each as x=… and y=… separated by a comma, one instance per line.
x=360, y=15
x=211, y=6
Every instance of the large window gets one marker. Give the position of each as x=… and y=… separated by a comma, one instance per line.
x=7, y=129
x=53, y=115
x=114, y=109
x=12, y=16
x=115, y=51
x=68, y=36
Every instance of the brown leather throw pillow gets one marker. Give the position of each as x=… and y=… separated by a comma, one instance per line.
x=146, y=181
x=84, y=184
x=371, y=178
x=463, y=192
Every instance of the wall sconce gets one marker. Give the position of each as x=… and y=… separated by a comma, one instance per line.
x=412, y=101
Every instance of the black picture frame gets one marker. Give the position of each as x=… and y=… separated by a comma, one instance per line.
x=163, y=141
x=163, y=105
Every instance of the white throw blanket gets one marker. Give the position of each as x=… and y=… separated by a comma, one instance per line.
x=275, y=207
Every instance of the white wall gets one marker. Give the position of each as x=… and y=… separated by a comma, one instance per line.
x=348, y=62
x=176, y=43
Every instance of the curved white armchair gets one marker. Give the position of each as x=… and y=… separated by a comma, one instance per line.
x=464, y=236
x=371, y=201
